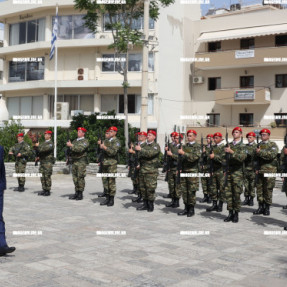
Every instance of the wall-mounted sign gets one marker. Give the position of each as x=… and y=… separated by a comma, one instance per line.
x=242, y=54
x=244, y=95
x=26, y=16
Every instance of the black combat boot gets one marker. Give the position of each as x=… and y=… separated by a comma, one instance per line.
x=209, y=200
x=184, y=212
x=259, y=210
x=190, y=211
x=134, y=191
x=285, y=207
x=251, y=203
x=144, y=206
x=150, y=206
x=137, y=198
x=47, y=193
x=266, y=209
x=106, y=201
x=219, y=206
x=213, y=207
x=21, y=188
x=42, y=192
x=75, y=196
x=167, y=196
x=176, y=203
x=111, y=201
x=229, y=217
x=246, y=201
x=80, y=195
x=235, y=217
x=103, y=194
x=204, y=199
x=170, y=204
x=285, y=228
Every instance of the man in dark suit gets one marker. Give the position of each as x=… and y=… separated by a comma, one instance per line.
x=4, y=249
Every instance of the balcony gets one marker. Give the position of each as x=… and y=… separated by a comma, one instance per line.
x=241, y=58
x=239, y=96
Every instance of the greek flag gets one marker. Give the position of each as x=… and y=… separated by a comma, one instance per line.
x=54, y=36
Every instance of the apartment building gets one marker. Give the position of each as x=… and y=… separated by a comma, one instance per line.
x=85, y=84
x=240, y=76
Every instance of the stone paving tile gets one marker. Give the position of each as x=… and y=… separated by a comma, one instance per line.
x=152, y=253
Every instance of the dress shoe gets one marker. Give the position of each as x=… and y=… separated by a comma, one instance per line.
x=5, y=249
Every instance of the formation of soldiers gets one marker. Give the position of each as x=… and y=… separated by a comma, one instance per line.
x=225, y=169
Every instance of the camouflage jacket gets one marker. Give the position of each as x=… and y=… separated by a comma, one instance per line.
x=79, y=150
x=111, y=153
x=205, y=159
x=190, y=160
x=250, y=156
x=46, y=151
x=268, y=157
x=22, y=148
x=149, y=158
x=283, y=161
x=173, y=159
x=219, y=157
x=238, y=157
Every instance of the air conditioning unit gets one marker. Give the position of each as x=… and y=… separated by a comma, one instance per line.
x=62, y=111
x=83, y=74
x=197, y=80
x=235, y=7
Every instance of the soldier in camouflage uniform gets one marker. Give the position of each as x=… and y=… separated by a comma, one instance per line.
x=79, y=154
x=267, y=157
x=249, y=174
x=234, y=188
x=110, y=149
x=132, y=167
x=205, y=168
x=217, y=189
x=141, y=140
x=172, y=153
x=21, y=151
x=105, y=179
x=170, y=184
x=283, y=157
x=149, y=162
x=190, y=162
x=46, y=158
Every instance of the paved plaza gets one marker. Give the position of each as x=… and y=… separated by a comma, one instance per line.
x=68, y=243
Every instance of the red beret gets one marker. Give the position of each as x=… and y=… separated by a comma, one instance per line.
x=20, y=135
x=107, y=130
x=237, y=129
x=82, y=129
x=252, y=134
x=152, y=132
x=173, y=134
x=142, y=134
x=265, y=131
x=113, y=129
x=48, y=132
x=209, y=136
x=218, y=135
x=191, y=131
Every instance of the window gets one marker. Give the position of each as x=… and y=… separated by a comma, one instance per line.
x=137, y=24
x=213, y=120
x=247, y=43
x=214, y=46
x=246, y=120
x=247, y=82
x=1, y=75
x=281, y=81
x=72, y=27
x=281, y=119
x=214, y=83
x=131, y=104
x=26, y=71
x=27, y=32
x=281, y=40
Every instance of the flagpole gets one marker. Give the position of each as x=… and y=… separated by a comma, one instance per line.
x=56, y=92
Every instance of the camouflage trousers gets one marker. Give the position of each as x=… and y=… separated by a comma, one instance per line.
x=46, y=169
x=147, y=185
x=136, y=182
x=249, y=183
x=20, y=168
x=79, y=174
x=174, y=189
x=188, y=187
x=233, y=190
x=205, y=183
x=264, y=188
x=111, y=181
x=217, y=189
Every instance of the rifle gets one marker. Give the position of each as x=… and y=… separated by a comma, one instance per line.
x=257, y=163
x=284, y=165
x=227, y=159
x=136, y=163
x=203, y=160
x=68, y=153
x=130, y=158
x=211, y=164
x=164, y=168
x=101, y=152
x=167, y=163
x=179, y=161
x=37, y=150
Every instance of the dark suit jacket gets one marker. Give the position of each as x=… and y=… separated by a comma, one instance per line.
x=2, y=170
